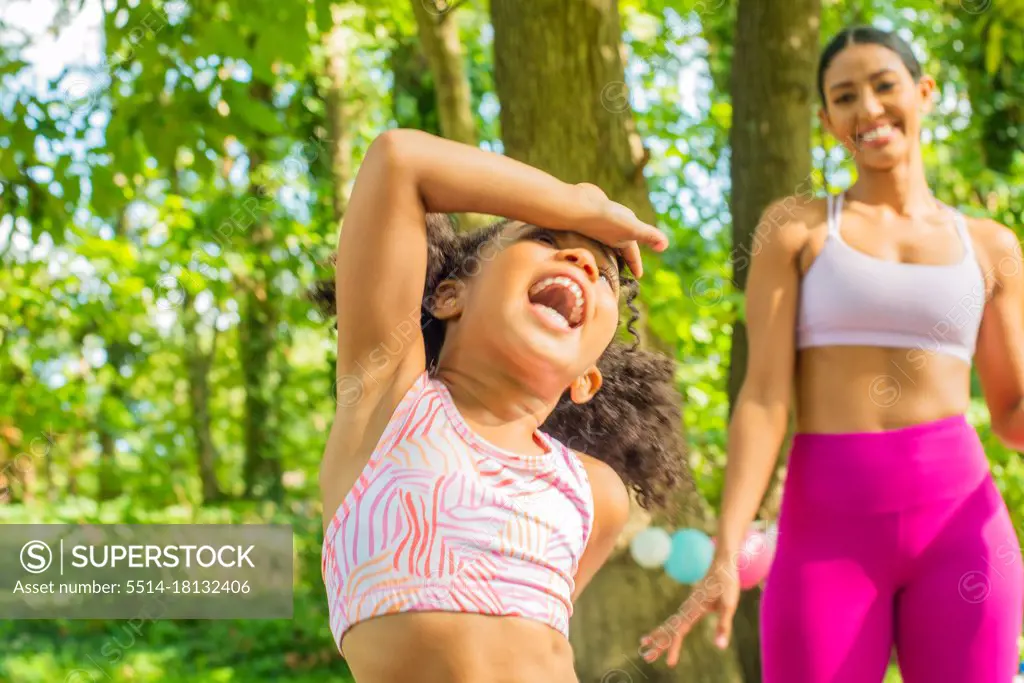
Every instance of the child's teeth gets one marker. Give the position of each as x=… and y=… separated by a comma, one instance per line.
x=577, y=313
x=554, y=315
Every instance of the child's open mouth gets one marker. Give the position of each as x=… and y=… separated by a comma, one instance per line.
x=559, y=300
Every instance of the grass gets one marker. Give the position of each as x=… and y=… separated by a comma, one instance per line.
x=297, y=650
x=114, y=654
x=171, y=652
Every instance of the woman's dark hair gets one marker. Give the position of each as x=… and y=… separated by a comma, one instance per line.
x=633, y=423
x=865, y=35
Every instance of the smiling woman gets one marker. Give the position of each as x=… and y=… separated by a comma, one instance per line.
x=866, y=60
x=481, y=475
x=867, y=310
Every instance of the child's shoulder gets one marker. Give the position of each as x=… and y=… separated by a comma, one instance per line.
x=609, y=491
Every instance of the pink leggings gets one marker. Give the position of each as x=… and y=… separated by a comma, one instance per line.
x=897, y=538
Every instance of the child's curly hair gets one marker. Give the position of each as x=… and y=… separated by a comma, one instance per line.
x=633, y=423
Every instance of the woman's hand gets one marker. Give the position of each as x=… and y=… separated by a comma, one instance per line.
x=718, y=592
x=617, y=226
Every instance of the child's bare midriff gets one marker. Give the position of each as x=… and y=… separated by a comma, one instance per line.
x=457, y=648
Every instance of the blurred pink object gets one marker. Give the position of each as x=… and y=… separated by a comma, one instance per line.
x=754, y=559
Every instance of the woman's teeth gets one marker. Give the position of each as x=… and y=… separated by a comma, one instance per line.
x=876, y=133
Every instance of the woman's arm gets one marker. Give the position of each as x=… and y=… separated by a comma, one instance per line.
x=758, y=424
x=611, y=510
x=760, y=418
x=382, y=249
x=1000, y=352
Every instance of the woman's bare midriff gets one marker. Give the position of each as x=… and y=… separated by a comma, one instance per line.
x=438, y=647
x=858, y=389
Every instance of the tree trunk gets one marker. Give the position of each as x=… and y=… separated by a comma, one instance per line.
x=564, y=108
x=773, y=88
x=109, y=484
x=117, y=354
x=340, y=114
x=262, y=468
x=197, y=365
x=439, y=36
x=8, y=493
x=75, y=457
x=108, y=464
x=51, y=489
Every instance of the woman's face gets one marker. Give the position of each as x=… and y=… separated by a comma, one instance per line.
x=547, y=298
x=874, y=106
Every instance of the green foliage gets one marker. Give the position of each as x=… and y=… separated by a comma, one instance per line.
x=227, y=651
x=151, y=203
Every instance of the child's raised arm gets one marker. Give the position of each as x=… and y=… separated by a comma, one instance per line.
x=382, y=249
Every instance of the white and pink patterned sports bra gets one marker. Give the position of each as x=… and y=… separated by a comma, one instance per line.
x=442, y=520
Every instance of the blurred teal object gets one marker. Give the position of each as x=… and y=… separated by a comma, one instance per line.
x=691, y=555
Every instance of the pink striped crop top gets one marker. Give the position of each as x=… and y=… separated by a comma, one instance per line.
x=849, y=298
x=442, y=520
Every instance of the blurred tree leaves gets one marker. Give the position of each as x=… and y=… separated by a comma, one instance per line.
x=125, y=210
x=171, y=118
